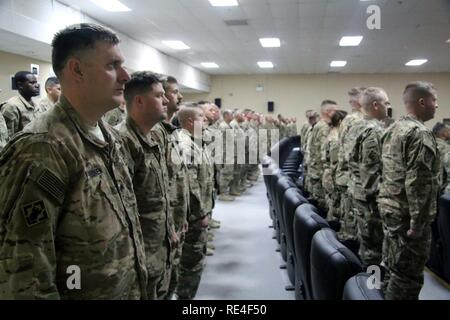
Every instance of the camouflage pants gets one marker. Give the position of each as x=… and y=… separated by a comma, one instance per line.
x=370, y=231
x=317, y=192
x=226, y=176
x=192, y=262
x=254, y=172
x=403, y=257
x=348, y=222
x=333, y=201
x=158, y=274
x=175, y=275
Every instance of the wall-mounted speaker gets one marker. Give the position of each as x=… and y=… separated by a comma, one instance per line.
x=270, y=106
x=218, y=102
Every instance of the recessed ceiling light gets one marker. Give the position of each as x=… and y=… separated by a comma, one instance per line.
x=111, y=5
x=350, y=41
x=210, y=65
x=448, y=41
x=338, y=64
x=265, y=64
x=416, y=62
x=270, y=42
x=224, y=3
x=176, y=44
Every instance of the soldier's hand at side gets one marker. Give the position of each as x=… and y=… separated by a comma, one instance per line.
x=174, y=239
x=412, y=234
x=185, y=227
x=204, y=223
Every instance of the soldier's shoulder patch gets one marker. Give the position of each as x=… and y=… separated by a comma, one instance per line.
x=52, y=184
x=35, y=213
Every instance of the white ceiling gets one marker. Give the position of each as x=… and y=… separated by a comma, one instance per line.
x=309, y=30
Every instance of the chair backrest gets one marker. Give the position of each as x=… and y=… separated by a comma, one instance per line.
x=306, y=223
x=332, y=264
x=292, y=200
x=443, y=224
x=284, y=183
x=356, y=288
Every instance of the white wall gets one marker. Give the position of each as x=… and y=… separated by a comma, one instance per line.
x=39, y=20
x=294, y=94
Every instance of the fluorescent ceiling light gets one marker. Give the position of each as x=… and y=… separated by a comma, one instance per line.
x=176, y=44
x=338, y=64
x=111, y=5
x=210, y=65
x=416, y=62
x=224, y=3
x=270, y=42
x=265, y=64
x=448, y=41
x=350, y=41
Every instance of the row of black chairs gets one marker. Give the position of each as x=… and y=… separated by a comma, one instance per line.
x=318, y=265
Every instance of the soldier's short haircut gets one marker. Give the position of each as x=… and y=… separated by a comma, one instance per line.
x=140, y=82
x=77, y=38
x=166, y=81
x=203, y=102
x=326, y=103
x=370, y=95
x=21, y=76
x=188, y=111
x=51, y=82
x=356, y=92
x=227, y=112
x=417, y=90
x=438, y=128
x=337, y=118
x=308, y=112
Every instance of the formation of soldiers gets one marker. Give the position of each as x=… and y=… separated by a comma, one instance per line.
x=97, y=178
x=381, y=179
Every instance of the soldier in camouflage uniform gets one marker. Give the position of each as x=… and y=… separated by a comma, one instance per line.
x=201, y=175
x=315, y=164
x=408, y=193
x=226, y=174
x=305, y=127
x=330, y=159
x=238, y=185
x=67, y=198
x=53, y=90
x=365, y=174
x=21, y=110
x=348, y=230
x=442, y=134
x=178, y=191
x=117, y=115
x=146, y=105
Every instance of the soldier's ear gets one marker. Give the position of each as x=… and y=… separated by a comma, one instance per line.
x=75, y=69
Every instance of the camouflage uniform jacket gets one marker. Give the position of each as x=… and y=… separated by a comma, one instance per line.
x=410, y=179
x=317, y=139
x=178, y=190
x=115, y=116
x=45, y=104
x=346, y=141
x=151, y=182
x=365, y=160
x=18, y=112
x=67, y=200
x=330, y=160
x=201, y=175
x=4, y=137
x=444, y=151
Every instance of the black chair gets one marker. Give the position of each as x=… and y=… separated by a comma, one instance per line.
x=443, y=224
x=284, y=183
x=306, y=223
x=292, y=199
x=356, y=289
x=332, y=264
